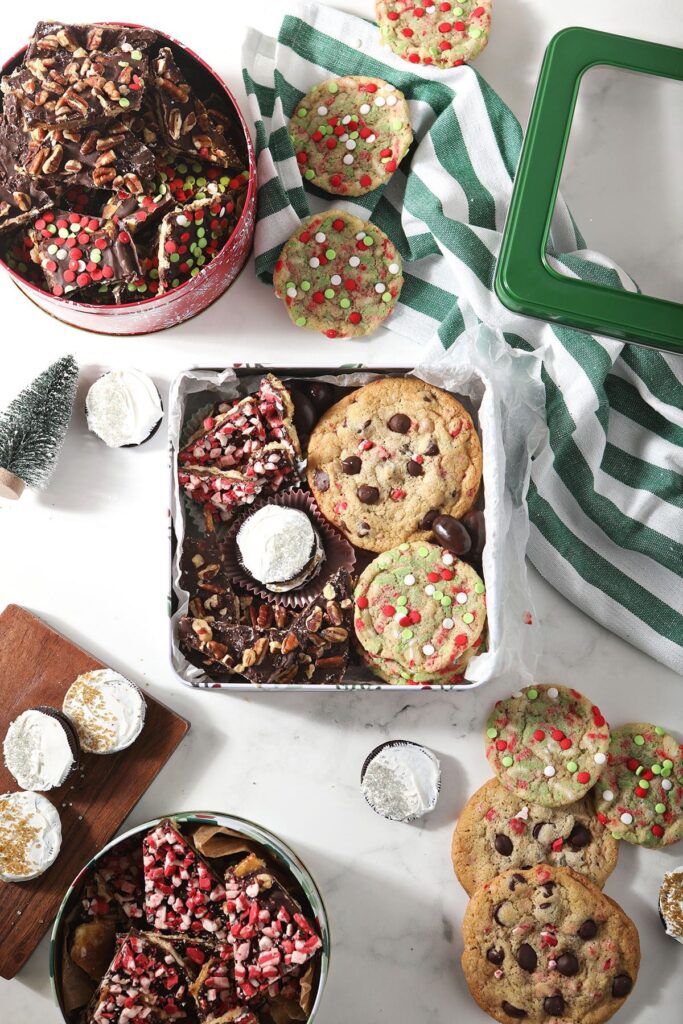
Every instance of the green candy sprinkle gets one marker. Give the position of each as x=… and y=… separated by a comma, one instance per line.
x=330, y=254
x=403, y=547
x=123, y=102
x=290, y=284
x=301, y=321
x=644, y=784
x=479, y=588
x=446, y=601
x=639, y=770
x=136, y=55
x=95, y=255
x=572, y=767
x=660, y=808
x=474, y=32
x=507, y=761
x=305, y=286
x=345, y=303
x=639, y=740
x=422, y=552
x=666, y=772
x=52, y=249
x=174, y=257
x=492, y=733
x=397, y=125
x=309, y=174
x=354, y=135
x=468, y=617
x=532, y=694
x=333, y=87
x=384, y=563
x=329, y=293
x=435, y=52
x=386, y=297
x=656, y=769
x=407, y=634
x=659, y=730
x=369, y=240
x=303, y=112
x=667, y=763
x=401, y=601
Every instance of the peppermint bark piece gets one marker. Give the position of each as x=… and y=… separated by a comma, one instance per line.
x=350, y=134
x=76, y=251
x=143, y=982
x=116, y=887
x=269, y=933
x=182, y=893
x=185, y=122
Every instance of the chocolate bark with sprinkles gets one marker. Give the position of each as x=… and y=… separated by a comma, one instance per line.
x=640, y=795
x=350, y=134
x=339, y=275
x=77, y=251
x=21, y=200
x=548, y=744
x=419, y=611
x=444, y=35
x=189, y=238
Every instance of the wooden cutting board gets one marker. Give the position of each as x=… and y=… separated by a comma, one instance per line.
x=37, y=665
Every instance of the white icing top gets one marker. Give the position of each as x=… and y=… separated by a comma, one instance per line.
x=107, y=710
x=276, y=543
x=30, y=836
x=37, y=751
x=123, y=407
x=401, y=782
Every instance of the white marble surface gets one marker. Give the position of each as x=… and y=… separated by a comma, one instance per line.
x=90, y=556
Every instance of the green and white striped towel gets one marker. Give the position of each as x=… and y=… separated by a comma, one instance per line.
x=606, y=495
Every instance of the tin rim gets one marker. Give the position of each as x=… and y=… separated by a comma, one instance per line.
x=29, y=289
x=248, y=828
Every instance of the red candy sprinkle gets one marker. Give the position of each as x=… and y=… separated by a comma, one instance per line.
x=365, y=180
x=657, y=831
x=404, y=620
x=338, y=224
x=477, y=12
x=447, y=574
x=319, y=298
x=414, y=58
x=331, y=142
x=393, y=15
x=632, y=764
x=459, y=26
x=303, y=157
x=640, y=791
x=584, y=778
x=558, y=844
x=461, y=640
x=565, y=744
x=444, y=45
x=388, y=609
x=415, y=617
x=434, y=577
x=355, y=318
x=539, y=735
x=501, y=745
x=407, y=32
x=602, y=818
x=362, y=602
x=557, y=734
x=445, y=26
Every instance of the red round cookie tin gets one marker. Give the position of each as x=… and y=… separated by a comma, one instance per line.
x=188, y=299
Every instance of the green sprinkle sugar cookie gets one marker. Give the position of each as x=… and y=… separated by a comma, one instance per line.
x=339, y=275
x=442, y=34
x=350, y=134
x=548, y=744
x=419, y=610
x=640, y=795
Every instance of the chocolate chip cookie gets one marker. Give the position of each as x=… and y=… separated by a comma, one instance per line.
x=640, y=795
x=548, y=744
x=498, y=830
x=389, y=458
x=419, y=611
x=545, y=945
x=350, y=134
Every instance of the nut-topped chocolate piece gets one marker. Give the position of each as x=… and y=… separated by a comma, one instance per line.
x=390, y=457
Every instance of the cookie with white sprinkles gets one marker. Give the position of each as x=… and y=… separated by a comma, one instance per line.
x=640, y=795
x=548, y=744
x=419, y=610
x=350, y=134
x=339, y=275
x=444, y=35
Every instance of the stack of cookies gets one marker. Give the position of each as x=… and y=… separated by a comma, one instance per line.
x=534, y=846
x=297, y=483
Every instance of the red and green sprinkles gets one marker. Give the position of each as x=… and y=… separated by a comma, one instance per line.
x=339, y=275
x=640, y=798
x=350, y=134
x=446, y=34
x=76, y=251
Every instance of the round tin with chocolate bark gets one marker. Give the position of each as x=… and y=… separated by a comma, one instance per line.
x=225, y=839
x=202, y=280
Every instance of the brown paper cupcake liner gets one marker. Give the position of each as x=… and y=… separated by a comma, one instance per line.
x=338, y=552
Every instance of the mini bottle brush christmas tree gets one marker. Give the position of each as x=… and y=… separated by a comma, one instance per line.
x=33, y=427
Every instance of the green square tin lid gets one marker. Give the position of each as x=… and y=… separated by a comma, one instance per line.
x=525, y=281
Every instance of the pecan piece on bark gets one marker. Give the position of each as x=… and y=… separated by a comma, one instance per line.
x=290, y=643
x=315, y=620
x=335, y=634
x=334, y=613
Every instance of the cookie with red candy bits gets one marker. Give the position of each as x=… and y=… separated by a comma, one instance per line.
x=418, y=611
x=498, y=830
x=546, y=946
x=640, y=795
x=444, y=35
x=548, y=744
x=76, y=251
x=389, y=458
x=339, y=275
x=350, y=134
